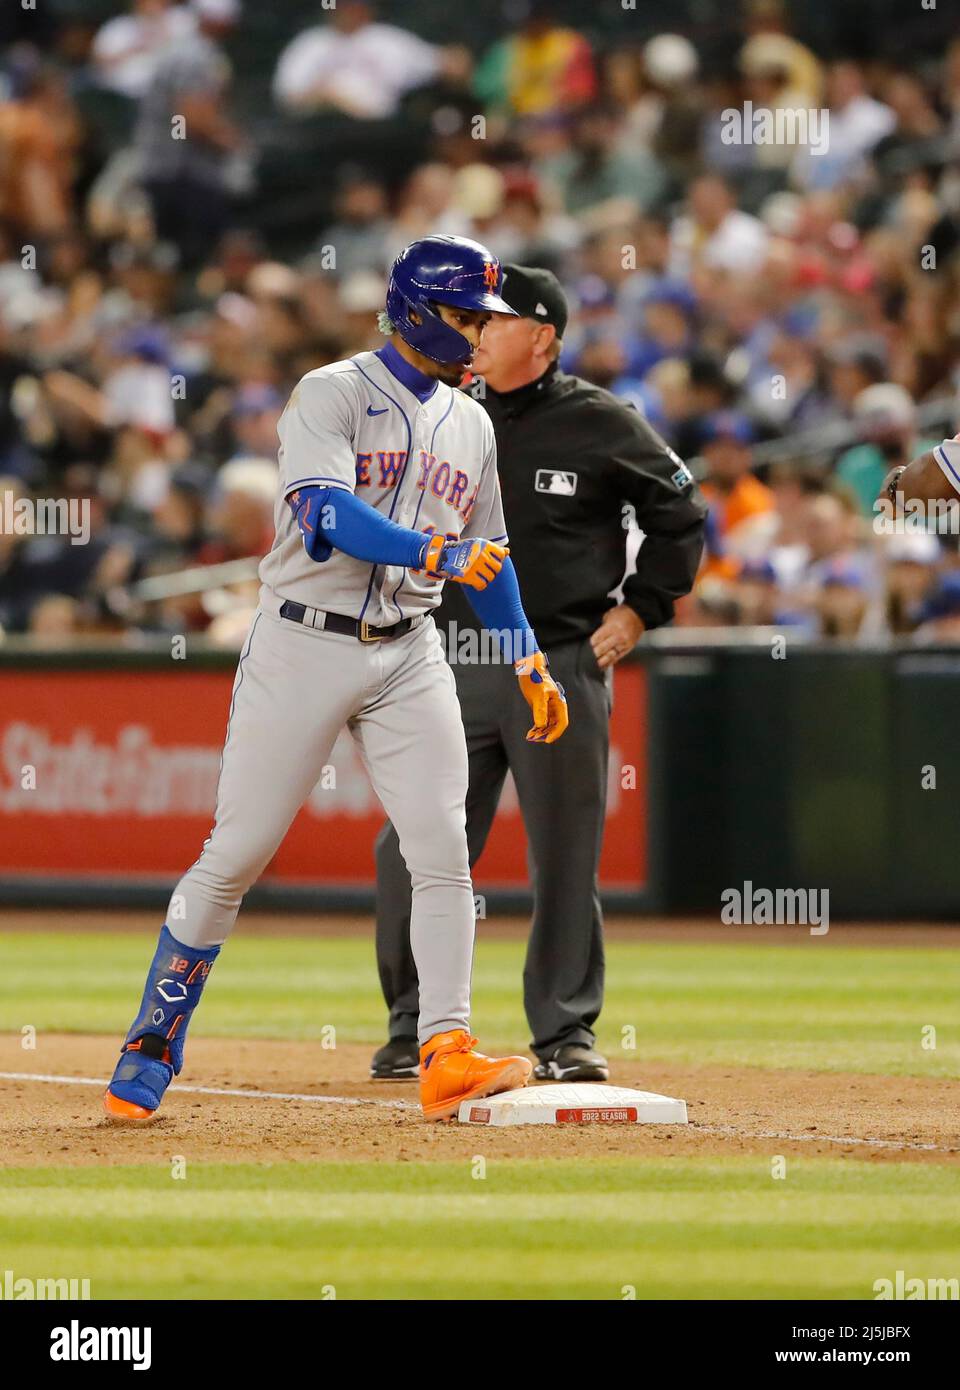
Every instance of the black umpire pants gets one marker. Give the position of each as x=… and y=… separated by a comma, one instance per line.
x=562, y=790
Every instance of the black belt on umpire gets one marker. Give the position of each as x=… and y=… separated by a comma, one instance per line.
x=347, y=627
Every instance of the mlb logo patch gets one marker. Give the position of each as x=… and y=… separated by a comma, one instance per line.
x=683, y=477
x=555, y=481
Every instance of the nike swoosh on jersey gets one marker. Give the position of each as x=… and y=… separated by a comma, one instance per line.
x=371, y=411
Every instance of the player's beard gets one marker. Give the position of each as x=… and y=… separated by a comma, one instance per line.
x=452, y=373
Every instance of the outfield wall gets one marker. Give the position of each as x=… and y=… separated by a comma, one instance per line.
x=835, y=767
x=108, y=778
x=728, y=766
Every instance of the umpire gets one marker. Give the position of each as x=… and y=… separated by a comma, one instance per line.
x=570, y=455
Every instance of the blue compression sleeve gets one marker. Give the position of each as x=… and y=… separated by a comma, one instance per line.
x=500, y=608
x=332, y=518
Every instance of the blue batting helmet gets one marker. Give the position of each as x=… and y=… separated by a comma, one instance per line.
x=442, y=270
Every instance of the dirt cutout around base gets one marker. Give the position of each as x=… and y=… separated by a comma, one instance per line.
x=732, y=1111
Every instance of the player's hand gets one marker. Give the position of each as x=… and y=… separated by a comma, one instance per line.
x=472, y=562
x=545, y=698
x=617, y=635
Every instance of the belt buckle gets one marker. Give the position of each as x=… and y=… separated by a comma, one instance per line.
x=365, y=631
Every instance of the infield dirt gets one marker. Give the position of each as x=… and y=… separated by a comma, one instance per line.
x=733, y=1111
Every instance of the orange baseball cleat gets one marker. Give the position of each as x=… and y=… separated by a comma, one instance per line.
x=144, y=1075
x=451, y=1072
x=118, y=1109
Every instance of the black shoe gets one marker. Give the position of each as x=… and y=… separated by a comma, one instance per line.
x=572, y=1062
x=397, y=1060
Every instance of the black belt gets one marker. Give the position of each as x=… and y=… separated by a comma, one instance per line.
x=347, y=627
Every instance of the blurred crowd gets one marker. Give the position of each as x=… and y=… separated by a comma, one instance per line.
x=788, y=320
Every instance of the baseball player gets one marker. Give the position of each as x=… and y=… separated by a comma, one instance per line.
x=388, y=487
x=932, y=477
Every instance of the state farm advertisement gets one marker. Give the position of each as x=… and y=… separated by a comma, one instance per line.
x=113, y=773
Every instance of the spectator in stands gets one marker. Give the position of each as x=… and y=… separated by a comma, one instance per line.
x=782, y=74
x=12, y=610
x=919, y=124
x=596, y=169
x=359, y=232
x=663, y=101
x=834, y=541
x=706, y=391
x=667, y=327
x=600, y=343
x=540, y=69
x=951, y=86
x=841, y=601
x=55, y=617
x=186, y=140
x=34, y=567
x=939, y=615
x=528, y=230
x=858, y=122
x=791, y=397
x=137, y=390
x=178, y=520
x=771, y=46
x=693, y=310
x=255, y=415
x=714, y=234
x=143, y=281
x=240, y=511
x=359, y=67
x=40, y=136
x=911, y=562
x=426, y=207
x=741, y=507
x=127, y=47
x=761, y=597
x=886, y=417
x=854, y=363
x=794, y=489
x=714, y=603
x=768, y=85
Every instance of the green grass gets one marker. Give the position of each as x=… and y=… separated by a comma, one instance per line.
x=683, y=1229
x=680, y=1228
x=813, y=1004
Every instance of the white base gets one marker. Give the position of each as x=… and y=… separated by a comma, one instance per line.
x=577, y=1104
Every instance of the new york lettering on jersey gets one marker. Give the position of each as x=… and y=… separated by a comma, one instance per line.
x=441, y=478
x=429, y=465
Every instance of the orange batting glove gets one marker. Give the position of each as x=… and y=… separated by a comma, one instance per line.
x=545, y=698
x=471, y=562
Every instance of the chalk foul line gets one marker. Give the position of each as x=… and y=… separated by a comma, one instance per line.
x=218, y=1091
x=722, y=1131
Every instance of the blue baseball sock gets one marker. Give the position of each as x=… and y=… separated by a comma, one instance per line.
x=175, y=982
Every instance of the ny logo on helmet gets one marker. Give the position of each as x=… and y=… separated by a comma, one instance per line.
x=491, y=274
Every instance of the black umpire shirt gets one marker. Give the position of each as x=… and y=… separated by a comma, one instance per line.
x=569, y=455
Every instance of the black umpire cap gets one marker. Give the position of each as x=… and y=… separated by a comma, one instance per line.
x=535, y=294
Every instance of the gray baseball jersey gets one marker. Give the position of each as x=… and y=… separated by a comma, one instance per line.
x=429, y=466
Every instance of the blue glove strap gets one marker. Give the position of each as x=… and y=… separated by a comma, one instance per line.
x=454, y=559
